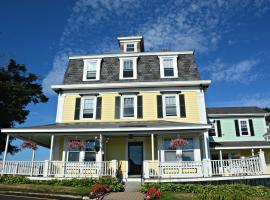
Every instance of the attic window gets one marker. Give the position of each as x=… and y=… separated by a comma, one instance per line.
x=168, y=67
x=91, y=70
x=130, y=47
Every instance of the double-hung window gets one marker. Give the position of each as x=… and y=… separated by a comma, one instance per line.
x=130, y=47
x=89, y=153
x=73, y=154
x=244, y=127
x=128, y=68
x=91, y=69
x=212, y=130
x=168, y=67
x=129, y=105
x=171, y=106
x=88, y=107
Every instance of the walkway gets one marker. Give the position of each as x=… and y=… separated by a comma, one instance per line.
x=124, y=196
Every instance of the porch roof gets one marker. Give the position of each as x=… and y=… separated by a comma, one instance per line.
x=126, y=126
x=240, y=145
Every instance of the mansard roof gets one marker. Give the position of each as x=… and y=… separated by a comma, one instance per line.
x=231, y=111
x=148, y=68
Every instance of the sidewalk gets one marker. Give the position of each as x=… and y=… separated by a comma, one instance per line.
x=124, y=196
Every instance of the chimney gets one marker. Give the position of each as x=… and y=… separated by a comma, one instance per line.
x=131, y=44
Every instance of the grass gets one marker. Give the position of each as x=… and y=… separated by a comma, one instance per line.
x=47, y=189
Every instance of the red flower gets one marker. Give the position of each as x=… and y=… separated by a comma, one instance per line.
x=29, y=145
x=76, y=144
x=152, y=193
x=98, y=191
x=177, y=143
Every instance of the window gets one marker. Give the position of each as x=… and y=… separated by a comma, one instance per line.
x=212, y=130
x=88, y=108
x=128, y=68
x=91, y=69
x=168, y=67
x=171, y=106
x=185, y=153
x=244, y=127
x=130, y=47
x=73, y=154
x=129, y=105
x=90, y=154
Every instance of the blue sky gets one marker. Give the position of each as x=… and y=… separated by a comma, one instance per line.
x=230, y=38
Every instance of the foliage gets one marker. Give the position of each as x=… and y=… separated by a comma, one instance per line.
x=112, y=183
x=212, y=192
x=98, y=190
x=18, y=89
x=152, y=193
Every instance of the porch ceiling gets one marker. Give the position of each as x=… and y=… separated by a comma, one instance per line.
x=107, y=128
x=40, y=139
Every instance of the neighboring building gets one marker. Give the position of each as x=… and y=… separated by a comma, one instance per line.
x=237, y=132
x=118, y=113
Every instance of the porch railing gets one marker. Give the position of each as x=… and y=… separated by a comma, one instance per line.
x=59, y=168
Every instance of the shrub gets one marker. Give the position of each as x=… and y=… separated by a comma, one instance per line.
x=98, y=190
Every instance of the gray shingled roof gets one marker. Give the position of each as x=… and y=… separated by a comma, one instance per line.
x=239, y=144
x=148, y=69
x=235, y=110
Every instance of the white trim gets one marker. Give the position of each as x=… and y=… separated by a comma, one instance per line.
x=25, y=130
x=51, y=148
x=202, y=107
x=130, y=38
x=122, y=106
x=134, y=65
x=60, y=108
x=167, y=53
x=215, y=126
x=240, y=147
x=240, y=129
x=243, y=115
x=98, y=63
x=164, y=105
x=175, y=68
x=132, y=85
x=94, y=107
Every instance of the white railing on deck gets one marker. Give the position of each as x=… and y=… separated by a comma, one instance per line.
x=236, y=167
x=59, y=168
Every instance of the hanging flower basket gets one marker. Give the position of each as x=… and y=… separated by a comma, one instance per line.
x=177, y=143
x=75, y=144
x=29, y=145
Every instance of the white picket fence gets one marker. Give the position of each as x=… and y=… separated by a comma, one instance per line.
x=249, y=166
x=59, y=168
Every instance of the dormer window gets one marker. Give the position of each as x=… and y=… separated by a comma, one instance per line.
x=130, y=47
x=91, y=69
x=168, y=66
x=128, y=68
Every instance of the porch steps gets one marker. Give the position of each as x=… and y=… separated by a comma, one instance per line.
x=133, y=185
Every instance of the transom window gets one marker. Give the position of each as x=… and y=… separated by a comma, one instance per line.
x=91, y=69
x=90, y=154
x=88, y=107
x=129, y=103
x=128, y=68
x=244, y=127
x=168, y=67
x=130, y=47
x=171, y=105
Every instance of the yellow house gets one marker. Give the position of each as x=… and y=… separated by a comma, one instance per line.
x=129, y=114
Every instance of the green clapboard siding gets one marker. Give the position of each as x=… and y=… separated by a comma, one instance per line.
x=229, y=134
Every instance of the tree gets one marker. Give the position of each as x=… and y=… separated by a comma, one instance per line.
x=268, y=117
x=18, y=88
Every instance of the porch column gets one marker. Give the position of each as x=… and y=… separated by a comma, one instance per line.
x=220, y=155
x=252, y=152
x=5, y=154
x=99, y=154
x=51, y=148
x=152, y=147
x=206, y=145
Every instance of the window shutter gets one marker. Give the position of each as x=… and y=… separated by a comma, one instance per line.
x=237, y=128
x=219, y=132
x=98, y=109
x=159, y=106
x=139, y=107
x=182, y=105
x=252, y=133
x=77, y=108
x=117, y=108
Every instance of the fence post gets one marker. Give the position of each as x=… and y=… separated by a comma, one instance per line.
x=114, y=167
x=145, y=169
x=207, y=168
x=262, y=162
x=46, y=168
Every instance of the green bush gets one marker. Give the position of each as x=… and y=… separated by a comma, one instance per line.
x=213, y=192
x=113, y=184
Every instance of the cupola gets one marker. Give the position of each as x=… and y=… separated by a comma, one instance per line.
x=131, y=44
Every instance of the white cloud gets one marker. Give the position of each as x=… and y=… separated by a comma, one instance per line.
x=242, y=71
x=93, y=26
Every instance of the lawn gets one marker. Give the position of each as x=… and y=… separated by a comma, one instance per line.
x=48, y=189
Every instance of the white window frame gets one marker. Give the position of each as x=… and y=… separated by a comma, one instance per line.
x=248, y=128
x=98, y=62
x=134, y=59
x=122, y=106
x=215, y=126
x=175, y=69
x=135, y=47
x=94, y=109
x=164, y=105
